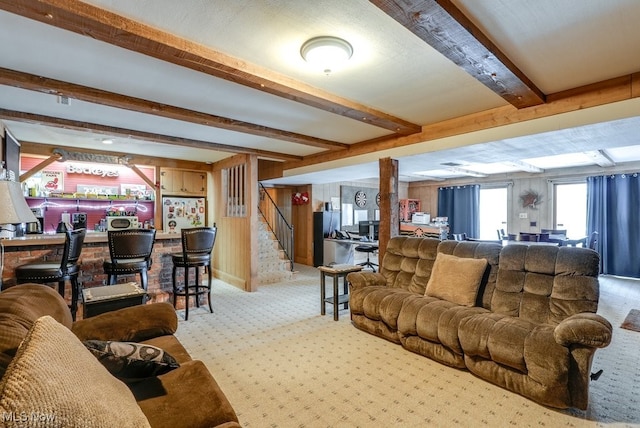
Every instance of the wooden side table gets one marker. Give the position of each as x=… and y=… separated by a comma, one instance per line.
x=336, y=272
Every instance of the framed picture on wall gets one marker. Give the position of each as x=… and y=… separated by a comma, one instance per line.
x=53, y=181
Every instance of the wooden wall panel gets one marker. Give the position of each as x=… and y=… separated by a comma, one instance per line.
x=236, y=249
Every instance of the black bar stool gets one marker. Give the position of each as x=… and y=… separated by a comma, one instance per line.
x=67, y=269
x=369, y=249
x=197, y=244
x=130, y=251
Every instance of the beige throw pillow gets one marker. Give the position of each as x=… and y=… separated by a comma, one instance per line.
x=54, y=381
x=456, y=279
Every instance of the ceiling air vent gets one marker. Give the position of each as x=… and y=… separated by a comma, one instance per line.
x=64, y=100
x=451, y=164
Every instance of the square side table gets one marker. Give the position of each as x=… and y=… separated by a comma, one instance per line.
x=336, y=272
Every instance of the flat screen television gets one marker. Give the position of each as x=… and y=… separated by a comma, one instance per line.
x=365, y=228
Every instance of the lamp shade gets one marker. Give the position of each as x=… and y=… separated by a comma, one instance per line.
x=13, y=206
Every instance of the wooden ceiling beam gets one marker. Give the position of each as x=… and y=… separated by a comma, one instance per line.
x=139, y=135
x=97, y=96
x=100, y=24
x=608, y=91
x=446, y=29
x=50, y=150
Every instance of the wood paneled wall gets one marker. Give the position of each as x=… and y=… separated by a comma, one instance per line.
x=236, y=251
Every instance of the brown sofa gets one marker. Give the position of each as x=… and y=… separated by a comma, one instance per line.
x=523, y=317
x=48, y=372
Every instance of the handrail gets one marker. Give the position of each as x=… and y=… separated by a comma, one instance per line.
x=277, y=223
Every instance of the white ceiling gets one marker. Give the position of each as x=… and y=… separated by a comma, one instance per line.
x=557, y=45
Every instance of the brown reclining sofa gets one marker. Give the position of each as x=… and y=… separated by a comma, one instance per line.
x=521, y=317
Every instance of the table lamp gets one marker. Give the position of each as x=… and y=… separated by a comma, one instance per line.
x=13, y=206
x=13, y=210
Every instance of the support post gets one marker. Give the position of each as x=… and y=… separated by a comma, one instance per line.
x=389, y=208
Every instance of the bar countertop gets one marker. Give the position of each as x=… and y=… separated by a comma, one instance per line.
x=58, y=238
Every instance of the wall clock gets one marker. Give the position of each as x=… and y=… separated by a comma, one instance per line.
x=361, y=199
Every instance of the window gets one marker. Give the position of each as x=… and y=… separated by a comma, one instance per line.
x=570, y=208
x=493, y=212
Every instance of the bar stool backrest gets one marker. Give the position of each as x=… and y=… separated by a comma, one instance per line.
x=131, y=244
x=73, y=242
x=197, y=242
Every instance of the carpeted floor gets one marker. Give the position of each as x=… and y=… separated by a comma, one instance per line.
x=282, y=364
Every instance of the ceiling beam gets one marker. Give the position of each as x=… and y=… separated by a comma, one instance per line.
x=446, y=29
x=97, y=96
x=100, y=24
x=598, y=94
x=50, y=150
x=139, y=135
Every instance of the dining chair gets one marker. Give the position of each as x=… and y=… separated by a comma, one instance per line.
x=197, y=245
x=459, y=236
x=593, y=240
x=130, y=252
x=67, y=269
x=530, y=237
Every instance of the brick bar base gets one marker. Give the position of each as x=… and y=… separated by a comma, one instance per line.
x=92, y=273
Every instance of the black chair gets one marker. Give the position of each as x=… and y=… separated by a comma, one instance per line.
x=130, y=252
x=459, y=236
x=197, y=244
x=593, y=240
x=368, y=249
x=67, y=269
x=556, y=235
x=529, y=237
x=502, y=235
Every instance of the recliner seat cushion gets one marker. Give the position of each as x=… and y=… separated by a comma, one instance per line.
x=527, y=347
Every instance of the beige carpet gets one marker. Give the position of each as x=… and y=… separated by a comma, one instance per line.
x=282, y=364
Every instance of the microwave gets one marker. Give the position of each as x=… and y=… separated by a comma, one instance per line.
x=122, y=222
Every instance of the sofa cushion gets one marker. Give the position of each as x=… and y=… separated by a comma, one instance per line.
x=456, y=279
x=20, y=307
x=164, y=398
x=131, y=359
x=521, y=345
x=54, y=376
x=546, y=284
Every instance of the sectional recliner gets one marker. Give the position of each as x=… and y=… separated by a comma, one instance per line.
x=521, y=317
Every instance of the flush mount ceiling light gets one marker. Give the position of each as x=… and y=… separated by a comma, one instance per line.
x=326, y=52
x=107, y=141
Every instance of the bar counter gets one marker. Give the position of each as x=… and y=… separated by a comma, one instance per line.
x=58, y=238
x=48, y=247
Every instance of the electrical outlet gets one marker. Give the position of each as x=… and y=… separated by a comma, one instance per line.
x=523, y=215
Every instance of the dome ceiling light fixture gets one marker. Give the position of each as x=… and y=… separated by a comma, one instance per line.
x=326, y=52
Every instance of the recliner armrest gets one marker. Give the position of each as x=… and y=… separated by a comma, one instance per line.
x=585, y=329
x=132, y=324
x=365, y=279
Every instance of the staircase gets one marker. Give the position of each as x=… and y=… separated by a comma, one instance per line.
x=274, y=265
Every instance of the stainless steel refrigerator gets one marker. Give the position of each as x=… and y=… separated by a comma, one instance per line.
x=182, y=212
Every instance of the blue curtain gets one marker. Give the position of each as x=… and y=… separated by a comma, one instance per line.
x=462, y=205
x=613, y=202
